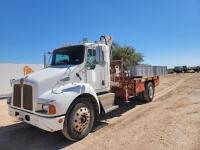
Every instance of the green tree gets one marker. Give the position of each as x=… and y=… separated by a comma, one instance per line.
x=127, y=53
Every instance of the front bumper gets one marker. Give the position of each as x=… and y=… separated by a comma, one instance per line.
x=46, y=123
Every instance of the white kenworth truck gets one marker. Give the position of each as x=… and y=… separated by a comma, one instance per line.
x=79, y=86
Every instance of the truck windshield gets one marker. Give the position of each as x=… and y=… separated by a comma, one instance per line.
x=72, y=55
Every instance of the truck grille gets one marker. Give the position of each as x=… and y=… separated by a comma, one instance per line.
x=17, y=95
x=27, y=96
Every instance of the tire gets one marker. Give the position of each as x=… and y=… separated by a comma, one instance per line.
x=79, y=121
x=148, y=94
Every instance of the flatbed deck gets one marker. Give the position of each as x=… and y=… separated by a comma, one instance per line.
x=126, y=86
x=130, y=87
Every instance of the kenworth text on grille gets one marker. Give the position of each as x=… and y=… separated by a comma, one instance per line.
x=78, y=87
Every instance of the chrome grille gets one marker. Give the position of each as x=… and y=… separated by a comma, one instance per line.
x=27, y=96
x=17, y=95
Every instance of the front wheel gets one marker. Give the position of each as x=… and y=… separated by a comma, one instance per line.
x=79, y=121
x=148, y=94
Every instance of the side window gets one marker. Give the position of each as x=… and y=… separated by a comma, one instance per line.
x=102, y=55
x=91, y=56
x=99, y=54
x=95, y=56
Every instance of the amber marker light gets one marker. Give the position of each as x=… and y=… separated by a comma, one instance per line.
x=52, y=110
x=60, y=120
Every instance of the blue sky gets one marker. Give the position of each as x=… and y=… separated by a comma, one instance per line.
x=166, y=32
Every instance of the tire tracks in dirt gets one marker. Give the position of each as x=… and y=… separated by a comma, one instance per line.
x=170, y=89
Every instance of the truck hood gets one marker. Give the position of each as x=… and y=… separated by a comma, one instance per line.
x=48, y=78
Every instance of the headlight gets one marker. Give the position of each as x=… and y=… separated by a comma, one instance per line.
x=49, y=109
x=45, y=107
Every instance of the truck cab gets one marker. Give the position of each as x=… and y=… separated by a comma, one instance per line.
x=73, y=91
x=76, y=72
x=89, y=63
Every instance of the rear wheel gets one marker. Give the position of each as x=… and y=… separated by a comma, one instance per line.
x=148, y=94
x=79, y=121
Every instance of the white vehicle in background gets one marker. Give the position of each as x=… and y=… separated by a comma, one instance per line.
x=76, y=89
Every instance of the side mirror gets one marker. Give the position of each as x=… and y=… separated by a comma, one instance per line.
x=45, y=59
x=12, y=82
x=90, y=66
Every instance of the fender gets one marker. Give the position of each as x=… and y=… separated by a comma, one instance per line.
x=63, y=96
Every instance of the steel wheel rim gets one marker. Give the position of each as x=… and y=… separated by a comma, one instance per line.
x=81, y=119
x=151, y=91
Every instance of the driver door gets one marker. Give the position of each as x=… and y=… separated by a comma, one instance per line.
x=96, y=69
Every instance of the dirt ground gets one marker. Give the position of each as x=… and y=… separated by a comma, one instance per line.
x=170, y=122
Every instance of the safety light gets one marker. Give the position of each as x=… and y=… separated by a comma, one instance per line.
x=52, y=110
x=49, y=109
